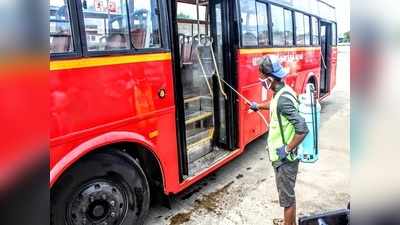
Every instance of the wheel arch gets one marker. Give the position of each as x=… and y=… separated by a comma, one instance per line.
x=133, y=144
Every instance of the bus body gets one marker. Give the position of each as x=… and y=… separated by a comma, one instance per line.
x=136, y=78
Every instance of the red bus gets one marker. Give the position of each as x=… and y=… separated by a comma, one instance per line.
x=138, y=109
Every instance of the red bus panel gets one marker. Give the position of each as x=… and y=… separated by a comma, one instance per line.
x=99, y=101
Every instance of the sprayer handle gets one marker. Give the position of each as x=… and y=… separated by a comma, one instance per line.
x=254, y=106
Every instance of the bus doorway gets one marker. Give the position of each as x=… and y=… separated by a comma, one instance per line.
x=326, y=49
x=199, y=37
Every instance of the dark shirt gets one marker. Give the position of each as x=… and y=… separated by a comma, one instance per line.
x=287, y=109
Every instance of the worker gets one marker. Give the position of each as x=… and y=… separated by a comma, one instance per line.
x=287, y=129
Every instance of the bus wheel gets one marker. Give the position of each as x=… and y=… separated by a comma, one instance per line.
x=99, y=190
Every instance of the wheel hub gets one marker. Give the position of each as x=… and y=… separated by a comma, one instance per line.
x=98, y=203
x=99, y=209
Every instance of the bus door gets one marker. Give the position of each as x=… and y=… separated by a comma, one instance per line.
x=200, y=64
x=326, y=49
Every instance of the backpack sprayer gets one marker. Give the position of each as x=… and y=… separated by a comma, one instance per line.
x=310, y=110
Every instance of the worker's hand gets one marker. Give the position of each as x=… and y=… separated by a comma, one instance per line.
x=281, y=152
x=254, y=106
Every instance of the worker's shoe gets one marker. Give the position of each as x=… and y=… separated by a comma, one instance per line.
x=278, y=222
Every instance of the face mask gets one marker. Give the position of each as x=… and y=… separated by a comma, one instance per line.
x=266, y=83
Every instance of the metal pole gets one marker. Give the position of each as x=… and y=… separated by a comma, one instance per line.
x=217, y=70
x=198, y=18
x=204, y=72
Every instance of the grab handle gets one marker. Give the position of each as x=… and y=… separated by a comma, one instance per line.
x=204, y=73
x=217, y=71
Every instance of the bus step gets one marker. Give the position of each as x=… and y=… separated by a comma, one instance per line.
x=197, y=98
x=204, y=161
x=199, y=104
x=192, y=99
x=198, y=136
x=198, y=151
x=197, y=116
x=201, y=142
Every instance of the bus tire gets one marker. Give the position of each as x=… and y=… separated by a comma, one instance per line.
x=101, y=189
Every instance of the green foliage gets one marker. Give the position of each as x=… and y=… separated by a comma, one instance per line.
x=346, y=36
x=183, y=16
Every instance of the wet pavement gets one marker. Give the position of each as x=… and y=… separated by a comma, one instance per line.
x=244, y=192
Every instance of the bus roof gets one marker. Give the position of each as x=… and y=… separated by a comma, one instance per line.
x=322, y=8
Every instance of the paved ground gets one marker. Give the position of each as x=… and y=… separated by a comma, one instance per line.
x=243, y=192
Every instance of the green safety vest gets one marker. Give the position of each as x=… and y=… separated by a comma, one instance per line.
x=274, y=133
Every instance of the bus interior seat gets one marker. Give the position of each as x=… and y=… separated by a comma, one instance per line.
x=139, y=38
x=116, y=41
x=249, y=39
x=181, y=46
x=188, y=50
x=181, y=37
x=191, y=70
x=61, y=43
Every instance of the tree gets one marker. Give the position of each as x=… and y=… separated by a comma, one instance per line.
x=346, y=36
x=182, y=16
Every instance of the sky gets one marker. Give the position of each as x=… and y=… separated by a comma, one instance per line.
x=342, y=14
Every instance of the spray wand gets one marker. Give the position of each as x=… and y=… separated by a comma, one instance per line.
x=248, y=102
x=219, y=77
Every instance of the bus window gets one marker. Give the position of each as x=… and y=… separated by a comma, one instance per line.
x=249, y=22
x=288, y=28
x=106, y=25
x=334, y=40
x=262, y=21
x=278, y=25
x=307, y=35
x=187, y=20
x=315, y=32
x=60, y=27
x=299, y=29
x=145, y=24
